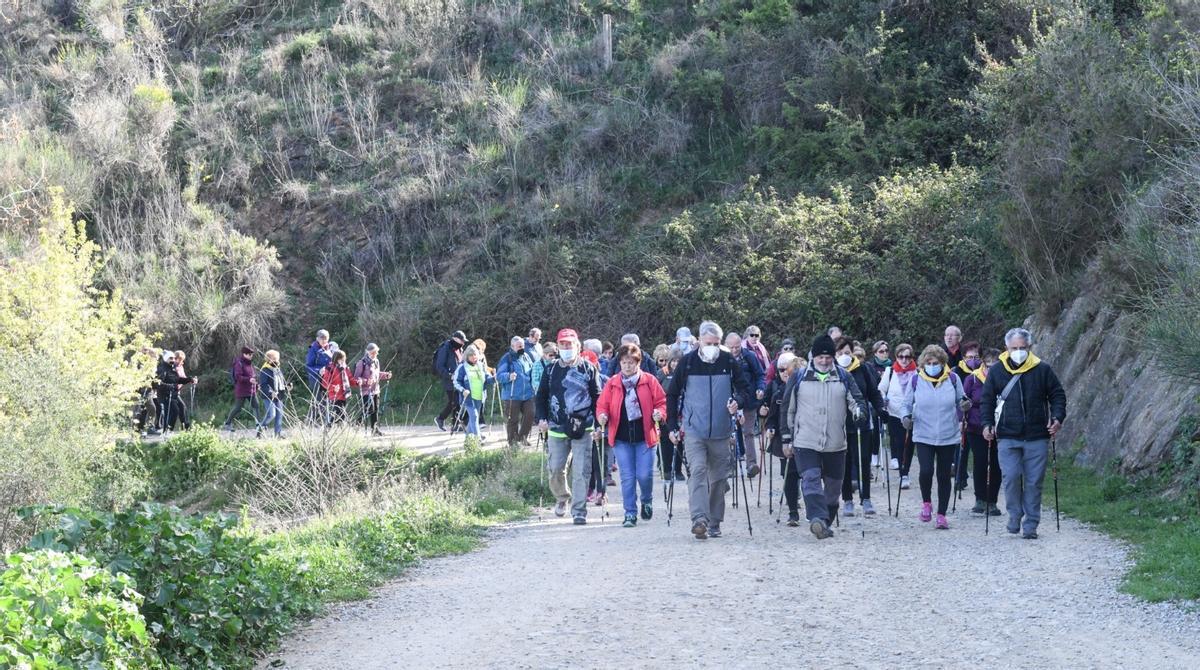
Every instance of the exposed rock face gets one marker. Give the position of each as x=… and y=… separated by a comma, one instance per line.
x=1121, y=406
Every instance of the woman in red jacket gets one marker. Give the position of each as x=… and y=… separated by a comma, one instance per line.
x=336, y=380
x=630, y=408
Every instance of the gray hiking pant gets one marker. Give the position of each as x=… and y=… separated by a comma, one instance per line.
x=748, y=440
x=710, y=462
x=1023, y=466
x=577, y=454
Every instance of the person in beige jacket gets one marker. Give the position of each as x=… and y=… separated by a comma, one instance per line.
x=814, y=432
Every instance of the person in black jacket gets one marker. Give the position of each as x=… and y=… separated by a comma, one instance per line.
x=757, y=378
x=445, y=362
x=169, y=402
x=788, y=365
x=860, y=432
x=707, y=390
x=566, y=410
x=1031, y=411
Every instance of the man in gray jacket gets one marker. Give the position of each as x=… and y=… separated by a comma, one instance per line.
x=706, y=391
x=813, y=429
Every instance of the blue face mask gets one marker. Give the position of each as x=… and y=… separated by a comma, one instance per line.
x=933, y=370
x=567, y=355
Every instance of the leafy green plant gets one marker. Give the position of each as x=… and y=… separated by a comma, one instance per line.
x=187, y=460
x=64, y=611
x=211, y=594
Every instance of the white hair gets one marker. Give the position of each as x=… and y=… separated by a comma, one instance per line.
x=517, y=338
x=323, y=334
x=535, y=330
x=372, y=347
x=631, y=338
x=711, y=328
x=593, y=345
x=1014, y=333
x=956, y=329
x=786, y=359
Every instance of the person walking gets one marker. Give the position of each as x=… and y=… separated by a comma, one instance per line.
x=472, y=380
x=272, y=387
x=245, y=387
x=757, y=379
x=533, y=344
x=515, y=375
x=320, y=352
x=752, y=341
x=813, y=427
x=934, y=403
x=337, y=382
x=860, y=434
x=630, y=408
x=891, y=386
x=952, y=345
x=169, y=383
x=369, y=378
x=987, y=484
x=446, y=360
x=672, y=451
x=789, y=366
x=1023, y=408
x=566, y=411
x=709, y=387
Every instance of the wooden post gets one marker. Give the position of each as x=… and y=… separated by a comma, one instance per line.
x=606, y=41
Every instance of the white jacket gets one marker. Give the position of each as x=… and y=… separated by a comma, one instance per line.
x=892, y=388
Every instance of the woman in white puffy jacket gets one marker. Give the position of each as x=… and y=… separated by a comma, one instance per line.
x=892, y=383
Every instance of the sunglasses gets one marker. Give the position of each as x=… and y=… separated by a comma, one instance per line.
x=882, y=351
x=662, y=360
x=904, y=357
x=787, y=348
x=752, y=335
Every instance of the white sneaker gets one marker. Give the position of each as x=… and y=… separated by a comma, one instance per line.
x=560, y=509
x=904, y=483
x=848, y=508
x=875, y=461
x=895, y=465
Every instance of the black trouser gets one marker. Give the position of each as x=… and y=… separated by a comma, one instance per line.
x=370, y=408
x=961, y=463
x=820, y=477
x=979, y=447
x=337, y=411
x=600, y=470
x=238, y=404
x=900, y=451
x=672, y=456
x=940, y=456
x=850, y=477
x=176, y=412
x=791, y=484
x=451, y=406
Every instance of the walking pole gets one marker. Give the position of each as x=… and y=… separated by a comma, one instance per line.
x=1054, y=465
x=542, y=447
x=740, y=442
x=192, y=400
x=762, y=458
x=671, y=488
x=660, y=461
x=884, y=440
x=962, y=447
x=861, y=521
x=903, y=453
x=987, y=492
x=771, y=489
x=787, y=463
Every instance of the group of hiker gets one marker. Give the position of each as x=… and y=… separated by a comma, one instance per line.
x=825, y=418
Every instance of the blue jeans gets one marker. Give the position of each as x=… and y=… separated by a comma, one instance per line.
x=273, y=412
x=473, y=408
x=1023, y=466
x=636, y=464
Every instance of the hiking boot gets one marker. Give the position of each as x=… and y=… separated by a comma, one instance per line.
x=375, y=432
x=904, y=483
x=680, y=478
x=602, y=500
x=714, y=530
x=700, y=530
x=580, y=521
x=630, y=521
x=895, y=464
x=1029, y=535
x=560, y=508
x=868, y=508
x=647, y=511
x=753, y=471
x=793, y=519
x=1013, y=527
x=942, y=524
x=926, y=512
x=978, y=508
x=440, y=422
x=820, y=529
x=848, y=508
x=993, y=510
x=258, y=434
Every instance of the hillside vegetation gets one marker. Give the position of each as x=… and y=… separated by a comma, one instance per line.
x=395, y=169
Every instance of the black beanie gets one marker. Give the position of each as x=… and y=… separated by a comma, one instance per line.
x=460, y=336
x=823, y=346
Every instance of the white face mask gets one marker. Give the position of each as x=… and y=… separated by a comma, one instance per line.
x=844, y=360
x=709, y=352
x=1018, y=356
x=567, y=355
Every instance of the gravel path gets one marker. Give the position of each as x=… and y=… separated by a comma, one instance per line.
x=546, y=594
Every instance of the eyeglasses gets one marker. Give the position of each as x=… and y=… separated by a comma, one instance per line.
x=752, y=335
x=904, y=357
x=882, y=351
x=787, y=348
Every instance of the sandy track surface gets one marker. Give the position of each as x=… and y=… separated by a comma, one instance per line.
x=546, y=594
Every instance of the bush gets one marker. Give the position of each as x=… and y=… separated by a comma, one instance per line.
x=187, y=460
x=211, y=592
x=64, y=611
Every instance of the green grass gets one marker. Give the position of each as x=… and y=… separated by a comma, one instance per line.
x=1163, y=532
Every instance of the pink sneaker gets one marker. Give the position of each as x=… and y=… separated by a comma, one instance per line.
x=594, y=496
x=926, y=512
x=942, y=524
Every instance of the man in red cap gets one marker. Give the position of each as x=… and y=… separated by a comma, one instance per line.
x=566, y=408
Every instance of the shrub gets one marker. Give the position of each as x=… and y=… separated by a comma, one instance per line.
x=301, y=45
x=64, y=611
x=187, y=460
x=211, y=593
